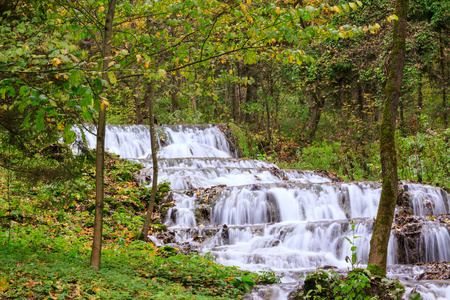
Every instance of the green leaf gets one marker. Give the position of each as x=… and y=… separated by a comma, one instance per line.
x=40, y=120
x=112, y=77
x=74, y=78
x=23, y=90
x=353, y=5
x=68, y=134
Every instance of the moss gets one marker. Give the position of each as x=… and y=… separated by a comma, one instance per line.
x=376, y=270
x=318, y=284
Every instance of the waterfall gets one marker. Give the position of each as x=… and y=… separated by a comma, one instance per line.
x=258, y=217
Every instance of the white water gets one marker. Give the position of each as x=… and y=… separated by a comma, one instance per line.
x=286, y=221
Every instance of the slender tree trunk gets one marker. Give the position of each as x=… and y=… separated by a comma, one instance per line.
x=150, y=94
x=316, y=104
x=236, y=101
x=138, y=110
x=444, y=79
x=269, y=134
x=275, y=99
x=419, y=95
x=174, y=92
x=382, y=228
x=100, y=154
x=402, y=117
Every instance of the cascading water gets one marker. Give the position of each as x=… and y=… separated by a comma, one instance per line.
x=264, y=218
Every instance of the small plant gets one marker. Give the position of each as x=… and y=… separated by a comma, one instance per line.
x=354, y=258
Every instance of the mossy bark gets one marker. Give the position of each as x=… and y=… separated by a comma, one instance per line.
x=389, y=191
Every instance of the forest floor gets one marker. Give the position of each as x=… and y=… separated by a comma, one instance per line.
x=46, y=238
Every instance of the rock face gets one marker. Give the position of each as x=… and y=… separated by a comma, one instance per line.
x=408, y=231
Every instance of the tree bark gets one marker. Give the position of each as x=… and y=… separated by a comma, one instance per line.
x=444, y=81
x=138, y=109
x=100, y=153
x=150, y=97
x=419, y=95
x=236, y=101
x=382, y=228
x=316, y=103
x=174, y=92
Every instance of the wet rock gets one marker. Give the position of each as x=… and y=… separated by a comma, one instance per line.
x=274, y=243
x=435, y=271
x=231, y=139
x=166, y=237
x=276, y=172
x=331, y=175
x=407, y=230
x=202, y=214
x=404, y=205
x=273, y=209
x=173, y=215
x=225, y=234
x=199, y=238
x=163, y=208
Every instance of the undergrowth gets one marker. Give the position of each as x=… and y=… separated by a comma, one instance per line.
x=422, y=157
x=46, y=238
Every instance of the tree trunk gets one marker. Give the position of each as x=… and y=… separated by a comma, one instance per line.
x=236, y=101
x=444, y=81
x=402, y=117
x=100, y=154
x=174, y=92
x=138, y=110
x=419, y=95
x=386, y=208
x=316, y=104
x=269, y=134
x=150, y=95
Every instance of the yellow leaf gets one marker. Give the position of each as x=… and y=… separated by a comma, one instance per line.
x=65, y=76
x=100, y=9
x=139, y=58
x=56, y=61
x=231, y=72
x=249, y=2
x=277, y=10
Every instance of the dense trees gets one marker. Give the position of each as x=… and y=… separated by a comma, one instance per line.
x=70, y=60
x=295, y=73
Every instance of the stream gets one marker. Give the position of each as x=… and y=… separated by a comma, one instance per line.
x=251, y=214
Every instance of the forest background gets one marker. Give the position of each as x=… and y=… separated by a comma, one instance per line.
x=315, y=105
